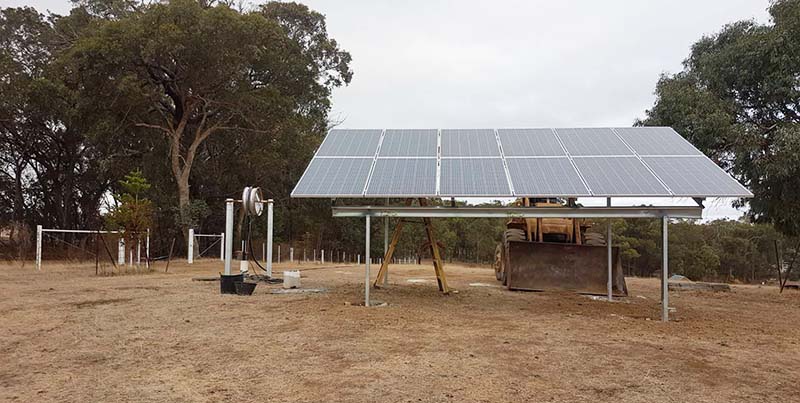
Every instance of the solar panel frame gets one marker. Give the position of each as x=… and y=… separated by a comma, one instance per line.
x=350, y=143
x=592, y=142
x=457, y=178
x=469, y=143
x=546, y=177
x=513, y=162
x=323, y=177
x=409, y=143
x=530, y=143
x=407, y=176
x=686, y=176
x=646, y=141
x=603, y=176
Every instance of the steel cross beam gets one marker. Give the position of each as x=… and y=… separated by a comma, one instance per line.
x=521, y=212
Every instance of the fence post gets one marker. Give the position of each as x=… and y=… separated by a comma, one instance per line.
x=269, y=239
x=38, y=247
x=121, y=251
x=190, y=253
x=291, y=255
x=222, y=246
x=323, y=256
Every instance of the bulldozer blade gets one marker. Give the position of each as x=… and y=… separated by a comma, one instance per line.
x=542, y=266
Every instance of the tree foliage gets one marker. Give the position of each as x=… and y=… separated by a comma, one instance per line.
x=738, y=100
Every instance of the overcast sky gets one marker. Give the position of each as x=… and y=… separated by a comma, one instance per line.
x=463, y=64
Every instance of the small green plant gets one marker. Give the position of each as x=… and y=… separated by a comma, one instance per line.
x=132, y=213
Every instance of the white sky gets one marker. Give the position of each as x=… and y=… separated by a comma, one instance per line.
x=543, y=63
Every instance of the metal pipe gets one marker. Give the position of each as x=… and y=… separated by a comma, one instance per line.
x=228, y=235
x=665, y=271
x=222, y=246
x=366, y=268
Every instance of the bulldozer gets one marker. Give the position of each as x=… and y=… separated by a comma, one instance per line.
x=556, y=254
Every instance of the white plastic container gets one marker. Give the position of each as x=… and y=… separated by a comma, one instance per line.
x=291, y=279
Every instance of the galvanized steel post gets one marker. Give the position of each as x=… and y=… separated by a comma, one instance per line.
x=609, y=286
x=665, y=271
x=366, y=268
x=269, y=238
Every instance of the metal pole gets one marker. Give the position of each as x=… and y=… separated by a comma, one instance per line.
x=138, y=252
x=322, y=256
x=385, y=246
x=190, y=253
x=228, y=235
x=609, y=285
x=665, y=271
x=269, y=239
x=291, y=255
x=366, y=268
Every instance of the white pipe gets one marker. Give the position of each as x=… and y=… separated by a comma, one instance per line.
x=228, y=235
x=190, y=253
x=269, y=239
x=322, y=256
x=38, y=247
x=138, y=253
x=291, y=255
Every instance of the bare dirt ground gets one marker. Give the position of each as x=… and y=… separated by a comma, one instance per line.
x=67, y=335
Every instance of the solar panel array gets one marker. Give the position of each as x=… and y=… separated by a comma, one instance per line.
x=571, y=162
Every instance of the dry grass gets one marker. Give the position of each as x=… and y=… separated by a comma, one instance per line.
x=67, y=335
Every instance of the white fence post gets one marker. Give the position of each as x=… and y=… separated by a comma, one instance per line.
x=222, y=246
x=121, y=251
x=291, y=255
x=228, y=235
x=38, y=247
x=323, y=256
x=269, y=239
x=190, y=253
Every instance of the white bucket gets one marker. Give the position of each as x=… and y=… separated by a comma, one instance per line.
x=291, y=279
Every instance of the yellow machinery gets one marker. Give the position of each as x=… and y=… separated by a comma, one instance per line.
x=541, y=254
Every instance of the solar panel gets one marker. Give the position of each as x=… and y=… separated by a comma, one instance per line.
x=409, y=143
x=605, y=162
x=473, y=177
x=469, y=143
x=545, y=177
x=350, y=143
x=656, y=141
x=403, y=177
x=695, y=176
x=530, y=143
x=326, y=177
x=619, y=176
x=591, y=141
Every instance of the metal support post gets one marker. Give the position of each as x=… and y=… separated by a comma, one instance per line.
x=609, y=285
x=147, y=248
x=366, y=268
x=322, y=256
x=665, y=270
x=228, y=235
